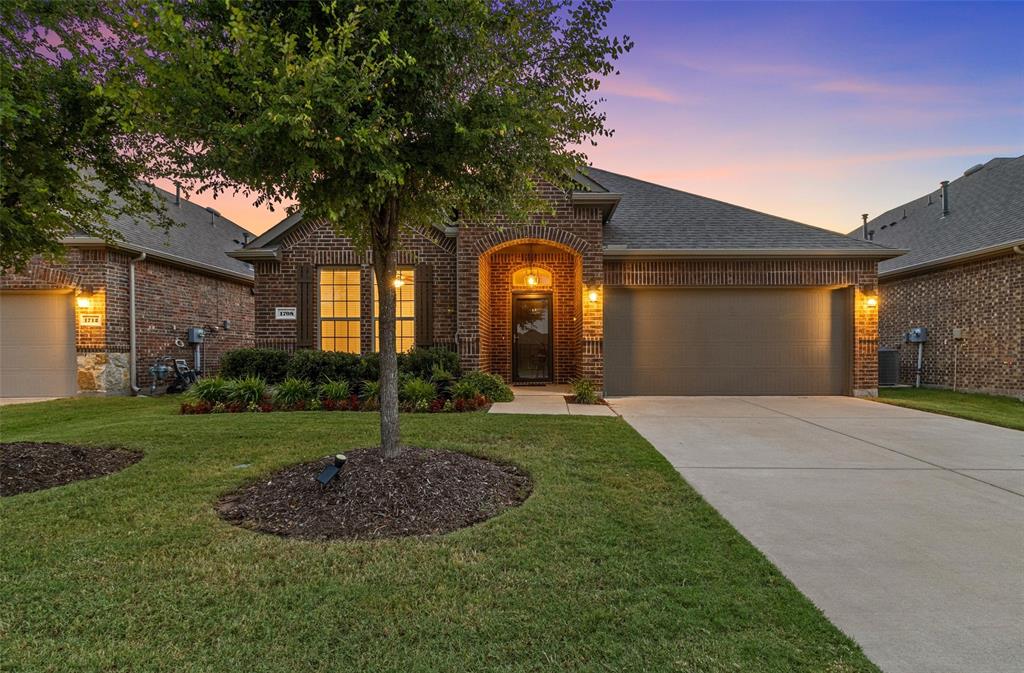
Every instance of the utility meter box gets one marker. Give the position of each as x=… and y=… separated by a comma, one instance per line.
x=917, y=335
x=196, y=335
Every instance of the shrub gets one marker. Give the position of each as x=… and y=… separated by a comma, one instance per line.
x=421, y=362
x=464, y=390
x=293, y=394
x=269, y=364
x=584, y=391
x=443, y=380
x=371, y=393
x=367, y=369
x=214, y=390
x=321, y=366
x=248, y=392
x=417, y=394
x=335, y=391
x=489, y=385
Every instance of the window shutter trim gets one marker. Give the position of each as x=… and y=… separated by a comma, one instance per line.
x=423, y=305
x=304, y=295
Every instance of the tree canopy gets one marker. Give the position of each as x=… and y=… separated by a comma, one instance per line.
x=67, y=163
x=373, y=115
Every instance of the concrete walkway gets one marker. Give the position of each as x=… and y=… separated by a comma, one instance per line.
x=905, y=528
x=547, y=400
x=9, y=401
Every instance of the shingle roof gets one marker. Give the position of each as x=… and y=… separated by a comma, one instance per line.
x=203, y=237
x=653, y=217
x=986, y=209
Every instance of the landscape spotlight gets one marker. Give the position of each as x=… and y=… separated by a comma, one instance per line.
x=330, y=473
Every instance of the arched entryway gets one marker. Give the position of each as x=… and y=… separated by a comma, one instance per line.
x=537, y=319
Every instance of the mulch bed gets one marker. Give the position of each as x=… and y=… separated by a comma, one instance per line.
x=421, y=492
x=33, y=466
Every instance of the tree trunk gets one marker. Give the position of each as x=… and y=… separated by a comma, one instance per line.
x=385, y=265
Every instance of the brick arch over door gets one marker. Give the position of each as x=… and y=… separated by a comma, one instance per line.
x=474, y=270
x=534, y=233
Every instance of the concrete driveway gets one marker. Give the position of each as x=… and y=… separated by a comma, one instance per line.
x=905, y=528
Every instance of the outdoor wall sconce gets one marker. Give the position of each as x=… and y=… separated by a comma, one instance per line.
x=330, y=473
x=399, y=281
x=592, y=296
x=84, y=300
x=871, y=301
x=531, y=279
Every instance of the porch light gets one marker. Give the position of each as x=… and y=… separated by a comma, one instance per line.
x=531, y=278
x=84, y=301
x=872, y=302
x=398, y=281
x=592, y=296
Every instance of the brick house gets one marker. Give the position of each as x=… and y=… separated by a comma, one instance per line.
x=962, y=280
x=642, y=288
x=66, y=327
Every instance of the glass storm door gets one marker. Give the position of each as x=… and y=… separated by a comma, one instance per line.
x=531, y=338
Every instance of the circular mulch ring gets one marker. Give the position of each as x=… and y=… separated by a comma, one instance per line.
x=33, y=466
x=421, y=492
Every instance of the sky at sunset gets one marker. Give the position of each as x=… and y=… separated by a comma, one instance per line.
x=816, y=112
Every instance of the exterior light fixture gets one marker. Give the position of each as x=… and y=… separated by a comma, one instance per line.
x=531, y=278
x=330, y=473
x=872, y=302
x=592, y=296
x=398, y=281
x=83, y=302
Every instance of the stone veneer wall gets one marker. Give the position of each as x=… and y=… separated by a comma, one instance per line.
x=985, y=299
x=861, y=274
x=169, y=300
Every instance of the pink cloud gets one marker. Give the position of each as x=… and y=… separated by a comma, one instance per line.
x=633, y=89
x=868, y=88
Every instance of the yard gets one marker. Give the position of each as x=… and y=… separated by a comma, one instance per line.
x=613, y=563
x=993, y=409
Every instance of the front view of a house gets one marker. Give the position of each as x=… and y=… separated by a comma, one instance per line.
x=644, y=289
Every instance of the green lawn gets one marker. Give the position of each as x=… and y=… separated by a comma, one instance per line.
x=994, y=409
x=613, y=564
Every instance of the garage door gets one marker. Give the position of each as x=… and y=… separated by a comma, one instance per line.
x=749, y=341
x=37, y=345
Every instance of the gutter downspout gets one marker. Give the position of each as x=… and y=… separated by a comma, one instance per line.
x=133, y=369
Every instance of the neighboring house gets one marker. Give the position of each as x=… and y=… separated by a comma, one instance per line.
x=962, y=279
x=67, y=327
x=642, y=288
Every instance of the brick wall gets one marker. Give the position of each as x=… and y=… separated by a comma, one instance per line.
x=985, y=299
x=565, y=303
x=570, y=229
x=318, y=244
x=861, y=274
x=169, y=300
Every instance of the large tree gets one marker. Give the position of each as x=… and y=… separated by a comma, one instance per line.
x=375, y=115
x=66, y=163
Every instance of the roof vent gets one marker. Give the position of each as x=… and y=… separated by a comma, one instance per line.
x=864, y=227
x=973, y=169
x=945, y=197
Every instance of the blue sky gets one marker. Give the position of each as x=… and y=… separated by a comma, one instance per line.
x=813, y=111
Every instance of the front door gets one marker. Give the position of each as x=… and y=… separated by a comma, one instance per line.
x=531, y=338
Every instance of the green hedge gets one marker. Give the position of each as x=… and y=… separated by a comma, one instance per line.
x=266, y=363
x=273, y=366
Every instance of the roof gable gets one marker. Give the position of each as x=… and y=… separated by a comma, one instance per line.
x=201, y=237
x=658, y=218
x=986, y=211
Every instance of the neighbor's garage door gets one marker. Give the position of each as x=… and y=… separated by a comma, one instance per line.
x=37, y=345
x=743, y=341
